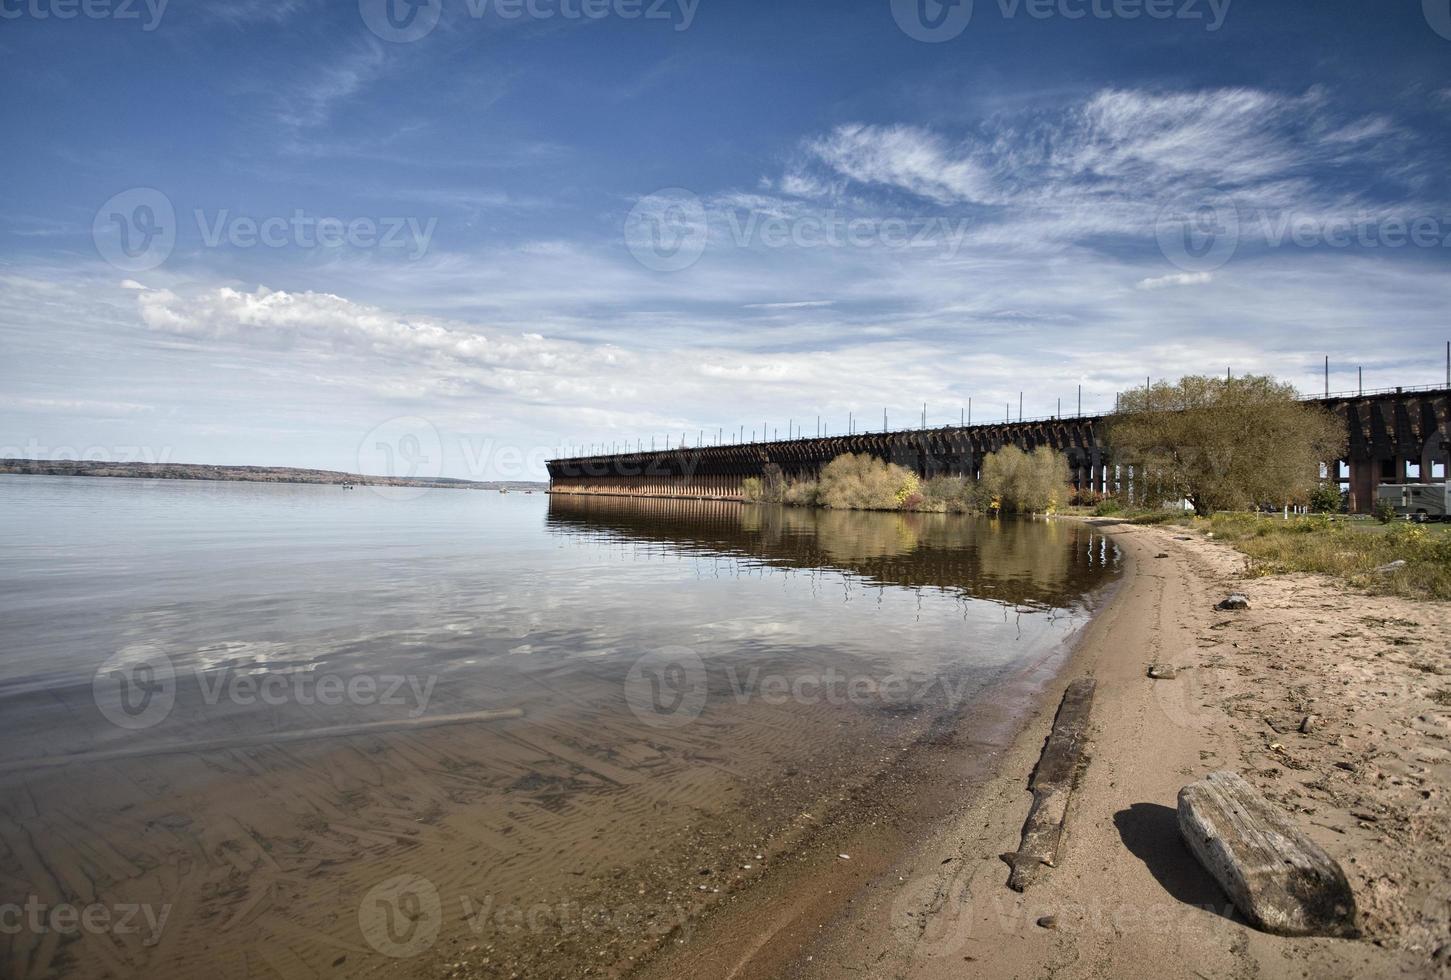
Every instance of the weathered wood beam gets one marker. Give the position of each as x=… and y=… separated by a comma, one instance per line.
x=1052, y=785
x=1280, y=879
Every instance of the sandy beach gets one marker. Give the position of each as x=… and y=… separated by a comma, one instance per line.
x=1367, y=782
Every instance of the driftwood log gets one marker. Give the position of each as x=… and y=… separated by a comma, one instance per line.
x=1052, y=785
x=1281, y=880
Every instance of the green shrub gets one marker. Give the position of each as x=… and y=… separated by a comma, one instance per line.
x=1385, y=511
x=863, y=482
x=752, y=489
x=802, y=493
x=1325, y=499
x=955, y=494
x=1108, y=506
x=1025, y=483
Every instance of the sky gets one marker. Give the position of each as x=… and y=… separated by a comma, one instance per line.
x=461, y=237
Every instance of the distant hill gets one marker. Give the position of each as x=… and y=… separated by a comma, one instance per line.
x=247, y=474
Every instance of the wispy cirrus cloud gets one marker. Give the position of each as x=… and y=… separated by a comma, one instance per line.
x=1105, y=165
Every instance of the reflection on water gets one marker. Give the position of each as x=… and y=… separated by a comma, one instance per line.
x=1034, y=563
x=598, y=698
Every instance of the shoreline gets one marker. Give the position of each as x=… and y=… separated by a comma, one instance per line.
x=771, y=929
x=1127, y=899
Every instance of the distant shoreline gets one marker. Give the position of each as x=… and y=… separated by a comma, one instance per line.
x=245, y=474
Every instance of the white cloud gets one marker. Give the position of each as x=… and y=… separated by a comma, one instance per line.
x=1178, y=279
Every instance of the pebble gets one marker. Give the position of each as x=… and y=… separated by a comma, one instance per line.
x=1048, y=922
x=1308, y=724
x=1162, y=672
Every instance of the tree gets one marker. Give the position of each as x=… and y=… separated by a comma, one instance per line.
x=1222, y=443
x=1025, y=483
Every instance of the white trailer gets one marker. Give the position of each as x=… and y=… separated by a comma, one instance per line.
x=1417, y=501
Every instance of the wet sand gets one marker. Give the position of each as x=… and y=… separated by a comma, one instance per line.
x=1368, y=783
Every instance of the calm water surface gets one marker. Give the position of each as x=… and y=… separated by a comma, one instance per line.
x=228, y=573
x=595, y=702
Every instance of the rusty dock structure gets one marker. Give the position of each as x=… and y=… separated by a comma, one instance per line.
x=1394, y=435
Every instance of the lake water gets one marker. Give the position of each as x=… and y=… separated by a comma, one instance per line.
x=325, y=727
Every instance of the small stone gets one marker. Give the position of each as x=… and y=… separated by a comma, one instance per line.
x=1162, y=554
x=1235, y=600
x=1309, y=723
x=1389, y=567
x=844, y=857
x=1048, y=922
x=1163, y=672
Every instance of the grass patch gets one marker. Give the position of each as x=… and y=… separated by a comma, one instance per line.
x=1347, y=548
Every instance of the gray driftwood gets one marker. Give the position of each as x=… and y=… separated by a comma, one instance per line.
x=1052, y=785
x=1277, y=877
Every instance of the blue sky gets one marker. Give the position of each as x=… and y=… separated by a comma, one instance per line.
x=559, y=223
